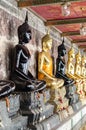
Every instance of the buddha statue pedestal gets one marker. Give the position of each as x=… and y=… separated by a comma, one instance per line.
x=35, y=106
x=11, y=120
x=73, y=97
x=48, y=124
x=60, y=102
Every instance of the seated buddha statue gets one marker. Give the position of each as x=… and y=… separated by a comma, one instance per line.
x=83, y=71
x=78, y=72
x=70, y=65
x=72, y=72
x=22, y=77
x=60, y=65
x=78, y=65
x=45, y=64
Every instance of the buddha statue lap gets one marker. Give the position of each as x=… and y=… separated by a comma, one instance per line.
x=60, y=65
x=22, y=77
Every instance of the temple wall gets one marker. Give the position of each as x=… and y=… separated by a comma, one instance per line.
x=10, y=18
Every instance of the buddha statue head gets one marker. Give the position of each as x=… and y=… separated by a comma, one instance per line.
x=46, y=42
x=71, y=54
x=61, y=49
x=24, y=32
x=78, y=57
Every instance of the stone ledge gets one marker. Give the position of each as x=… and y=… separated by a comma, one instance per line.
x=73, y=120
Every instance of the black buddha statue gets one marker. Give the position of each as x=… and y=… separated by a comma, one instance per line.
x=60, y=65
x=23, y=79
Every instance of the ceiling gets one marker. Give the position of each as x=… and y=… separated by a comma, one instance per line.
x=51, y=12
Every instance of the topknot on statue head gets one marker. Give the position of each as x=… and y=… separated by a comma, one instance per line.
x=62, y=49
x=24, y=32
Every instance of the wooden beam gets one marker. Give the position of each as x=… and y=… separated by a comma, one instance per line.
x=65, y=21
x=70, y=33
x=26, y=3
x=82, y=46
x=79, y=41
x=85, y=50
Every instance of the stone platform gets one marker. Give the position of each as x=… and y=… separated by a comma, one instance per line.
x=73, y=122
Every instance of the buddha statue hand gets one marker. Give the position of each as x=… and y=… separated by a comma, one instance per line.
x=6, y=87
x=36, y=85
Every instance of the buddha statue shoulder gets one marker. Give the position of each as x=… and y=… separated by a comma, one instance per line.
x=78, y=65
x=45, y=64
x=60, y=65
x=22, y=77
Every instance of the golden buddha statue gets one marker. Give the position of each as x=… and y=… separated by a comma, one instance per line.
x=70, y=64
x=78, y=71
x=74, y=71
x=45, y=64
x=83, y=71
x=78, y=65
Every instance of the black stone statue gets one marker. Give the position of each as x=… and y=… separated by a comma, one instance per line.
x=23, y=79
x=60, y=65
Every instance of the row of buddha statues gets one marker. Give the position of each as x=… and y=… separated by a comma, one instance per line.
x=67, y=87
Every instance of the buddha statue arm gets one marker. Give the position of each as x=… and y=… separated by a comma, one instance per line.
x=41, y=63
x=17, y=56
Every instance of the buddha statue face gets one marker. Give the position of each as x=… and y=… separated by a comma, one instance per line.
x=24, y=32
x=71, y=54
x=47, y=43
x=61, y=50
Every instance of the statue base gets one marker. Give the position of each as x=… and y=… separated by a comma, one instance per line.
x=71, y=94
x=48, y=124
x=76, y=106
x=58, y=99
x=15, y=122
x=83, y=101
x=38, y=115
x=35, y=106
x=14, y=102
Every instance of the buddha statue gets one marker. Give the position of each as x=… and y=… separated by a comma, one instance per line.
x=70, y=64
x=60, y=65
x=72, y=71
x=45, y=72
x=45, y=64
x=78, y=65
x=78, y=72
x=83, y=71
x=22, y=77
